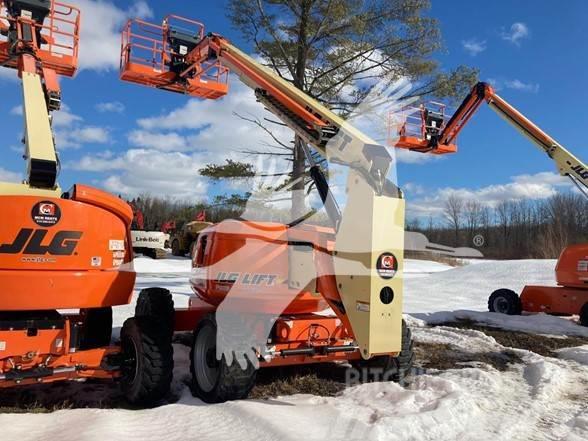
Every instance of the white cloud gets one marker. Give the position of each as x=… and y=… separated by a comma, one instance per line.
x=518, y=31
x=8, y=74
x=9, y=176
x=474, y=46
x=100, y=162
x=100, y=31
x=522, y=187
x=137, y=171
x=408, y=157
x=75, y=138
x=64, y=118
x=165, y=142
x=110, y=107
x=514, y=84
x=61, y=118
x=524, y=87
x=213, y=124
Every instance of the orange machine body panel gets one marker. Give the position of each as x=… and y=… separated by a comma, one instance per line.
x=572, y=267
x=556, y=300
x=223, y=250
x=305, y=331
x=49, y=349
x=65, y=253
x=571, y=295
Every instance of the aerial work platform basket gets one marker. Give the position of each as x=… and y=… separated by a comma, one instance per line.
x=418, y=128
x=161, y=57
x=51, y=33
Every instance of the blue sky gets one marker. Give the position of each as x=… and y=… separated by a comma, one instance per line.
x=130, y=139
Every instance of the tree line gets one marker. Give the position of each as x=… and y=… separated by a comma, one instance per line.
x=511, y=229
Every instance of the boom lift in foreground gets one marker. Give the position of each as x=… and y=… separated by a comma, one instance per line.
x=65, y=250
x=272, y=278
x=571, y=272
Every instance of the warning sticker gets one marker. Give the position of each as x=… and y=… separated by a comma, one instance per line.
x=96, y=261
x=116, y=245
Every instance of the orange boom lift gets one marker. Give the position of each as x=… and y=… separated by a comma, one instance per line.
x=270, y=281
x=64, y=250
x=438, y=134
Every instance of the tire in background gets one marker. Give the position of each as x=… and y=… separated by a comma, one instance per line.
x=158, y=304
x=584, y=315
x=175, y=246
x=505, y=301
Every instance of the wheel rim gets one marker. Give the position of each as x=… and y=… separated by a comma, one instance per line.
x=130, y=366
x=501, y=305
x=206, y=366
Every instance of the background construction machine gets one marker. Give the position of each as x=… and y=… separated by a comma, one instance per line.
x=65, y=250
x=571, y=271
x=150, y=243
x=183, y=239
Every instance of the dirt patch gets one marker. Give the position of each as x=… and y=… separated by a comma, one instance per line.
x=540, y=344
x=45, y=398
x=326, y=381
x=443, y=356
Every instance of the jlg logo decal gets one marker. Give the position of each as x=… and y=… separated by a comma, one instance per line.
x=29, y=241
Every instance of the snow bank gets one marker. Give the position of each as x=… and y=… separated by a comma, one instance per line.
x=534, y=323
x=579, y=354
x=532, y=400
x=468, y=287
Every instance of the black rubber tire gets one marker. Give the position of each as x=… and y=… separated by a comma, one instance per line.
x=97, y=330
x=192, y=248
x=505, y=301
x=158, y=304
x=232, y=382
x=175, y=247
x=584, y=315
x=148, y=361
x=393, y=368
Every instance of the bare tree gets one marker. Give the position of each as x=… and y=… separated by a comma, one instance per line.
x=473, y=216
x=453, y=214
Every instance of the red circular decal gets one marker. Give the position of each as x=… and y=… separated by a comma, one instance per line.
x=387, y=265
x=46, y=213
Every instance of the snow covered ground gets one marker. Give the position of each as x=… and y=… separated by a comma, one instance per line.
x=540, y=398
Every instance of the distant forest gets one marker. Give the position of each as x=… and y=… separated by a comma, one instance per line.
x=511, y=230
